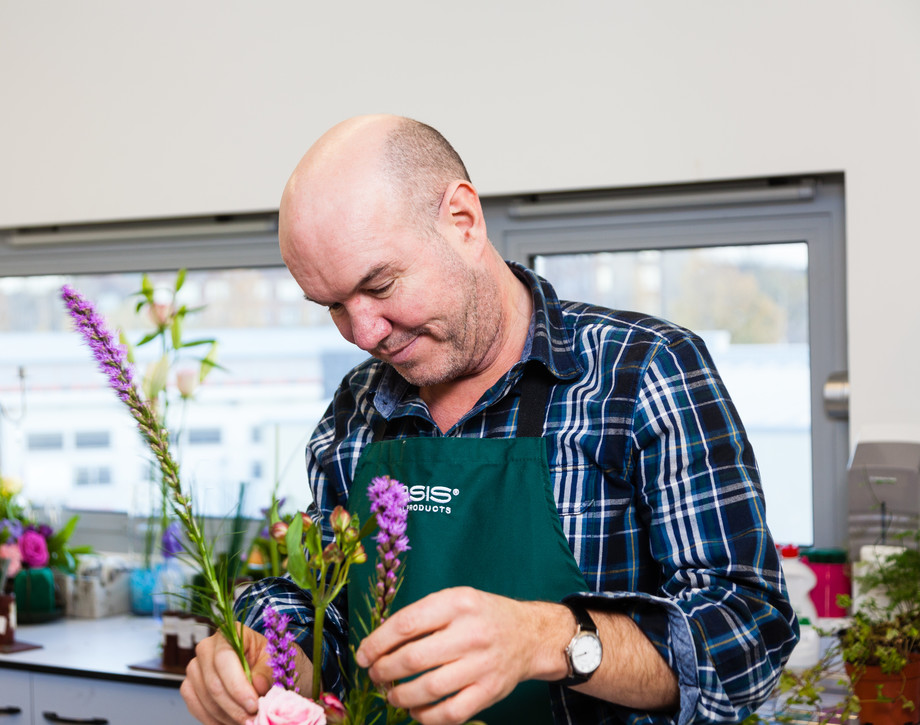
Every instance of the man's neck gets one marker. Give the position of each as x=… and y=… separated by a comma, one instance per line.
x=449, y=402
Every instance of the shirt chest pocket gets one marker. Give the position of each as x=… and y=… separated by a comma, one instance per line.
x=575, y=488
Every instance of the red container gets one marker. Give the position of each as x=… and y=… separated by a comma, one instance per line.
x=833, y=574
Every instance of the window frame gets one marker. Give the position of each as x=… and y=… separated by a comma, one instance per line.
x=666, y=217
x=759, y=211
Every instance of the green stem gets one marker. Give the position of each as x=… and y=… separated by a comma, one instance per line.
x=320, y=616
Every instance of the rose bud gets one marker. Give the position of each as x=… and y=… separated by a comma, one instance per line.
x=335, y=710
x=339, y=518
x=332, y=554
x=279, y=530
x=359, y=555
x=161, y=313
x=187, y=382
x=307, y=521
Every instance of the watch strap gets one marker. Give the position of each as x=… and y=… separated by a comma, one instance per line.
x=585, y=623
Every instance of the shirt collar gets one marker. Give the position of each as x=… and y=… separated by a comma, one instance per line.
x=548, y=342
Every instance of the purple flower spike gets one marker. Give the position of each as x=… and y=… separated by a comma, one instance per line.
x=389, y=503
x=172, y=540
x=280, y=648
x=112, y=358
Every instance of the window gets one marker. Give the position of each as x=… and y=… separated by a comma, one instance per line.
x=247, y=423
x=757, y=269
x=45, y=441
x=92, y=476
x=199, y=436
x=777, y=243
x=92, y=439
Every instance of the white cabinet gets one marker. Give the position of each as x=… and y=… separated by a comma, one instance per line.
x=59, y=699
x=15, y=698
x=37, y=698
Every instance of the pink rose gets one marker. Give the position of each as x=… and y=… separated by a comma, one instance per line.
x=34, y=549
x=10, y=552
x=285, y=707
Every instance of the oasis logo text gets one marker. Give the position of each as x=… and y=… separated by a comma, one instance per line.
x=431, y=498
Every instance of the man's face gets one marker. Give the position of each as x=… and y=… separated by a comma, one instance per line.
x=406, y=296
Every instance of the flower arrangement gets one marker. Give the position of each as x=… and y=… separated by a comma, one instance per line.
x=27, y=544
x=168, y=318
x=321, y=570
x=113, y=362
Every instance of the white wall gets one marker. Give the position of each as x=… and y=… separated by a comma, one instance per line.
x=119, y=110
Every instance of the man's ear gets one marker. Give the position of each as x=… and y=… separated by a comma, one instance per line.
x=462, y=211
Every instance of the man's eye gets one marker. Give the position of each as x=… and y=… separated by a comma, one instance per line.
x=382, y=290
x=334, y=307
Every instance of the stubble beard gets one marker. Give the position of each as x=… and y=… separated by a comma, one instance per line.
x=469, y=335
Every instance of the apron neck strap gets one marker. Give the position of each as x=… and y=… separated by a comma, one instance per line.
x=534, y=396
x=531, y=409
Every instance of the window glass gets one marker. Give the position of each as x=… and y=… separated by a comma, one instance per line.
x=73, y=443
x=750, y=305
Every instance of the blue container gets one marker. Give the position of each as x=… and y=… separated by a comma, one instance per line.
x=143, y=586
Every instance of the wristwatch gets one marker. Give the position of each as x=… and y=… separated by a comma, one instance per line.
x=584, y=651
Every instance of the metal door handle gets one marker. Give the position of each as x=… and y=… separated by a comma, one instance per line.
x=837, y=395
x=54, y=717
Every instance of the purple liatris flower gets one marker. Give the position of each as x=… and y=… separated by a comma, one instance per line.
x=280, y=648
x=172, y=540
x=389, y=503
x=112, y=358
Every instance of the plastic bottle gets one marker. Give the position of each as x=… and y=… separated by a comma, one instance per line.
x=167, y=593
x=808, y=650
x=800, y=580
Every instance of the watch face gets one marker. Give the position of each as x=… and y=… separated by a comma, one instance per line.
x=586, y=654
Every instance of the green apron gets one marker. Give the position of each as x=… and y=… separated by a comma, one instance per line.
x=481, y=514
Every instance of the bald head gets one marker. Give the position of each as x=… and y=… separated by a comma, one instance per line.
x=396, y=158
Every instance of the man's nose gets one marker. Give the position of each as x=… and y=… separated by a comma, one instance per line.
x=367, y=328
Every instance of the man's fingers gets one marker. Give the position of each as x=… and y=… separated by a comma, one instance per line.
x=456, y=709
x=411, y=622
x=216, y=689
x=230, y=682
x=199, y=701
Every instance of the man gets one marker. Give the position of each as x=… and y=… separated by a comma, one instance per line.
x=560, y=453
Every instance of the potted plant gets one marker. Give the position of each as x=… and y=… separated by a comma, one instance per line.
x=879, y=648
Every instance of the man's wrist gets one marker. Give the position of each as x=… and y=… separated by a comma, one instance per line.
x=553, y=629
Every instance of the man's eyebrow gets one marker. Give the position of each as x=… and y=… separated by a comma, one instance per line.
x=377, y=271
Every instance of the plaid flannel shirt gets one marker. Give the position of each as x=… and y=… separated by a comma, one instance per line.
x=656, y=486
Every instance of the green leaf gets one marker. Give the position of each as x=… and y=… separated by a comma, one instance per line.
x=64, y=533
x=369, y=527
x=154, y=381
x=129, y=350
x=313, y=539
x=146, y=287
x=273, y=515
x=176, y=331
x=180, y=279
x=297, y=562
x=148, y=337
x=194, y=343
x=208, y=363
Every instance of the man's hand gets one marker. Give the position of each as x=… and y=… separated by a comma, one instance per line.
x=215, y=688
x=473, y=648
